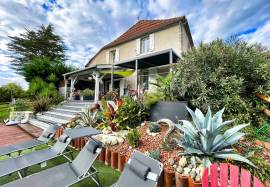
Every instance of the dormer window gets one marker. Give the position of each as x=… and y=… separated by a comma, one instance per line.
x=145, y=44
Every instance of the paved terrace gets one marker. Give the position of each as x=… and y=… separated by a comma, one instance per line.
x=14, y=134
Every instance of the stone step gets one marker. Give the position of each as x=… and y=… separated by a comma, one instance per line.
x=81, y=104
x=75, y=108
x=66, y=111
x=38, y=123
x=50, y=119
x=59, y=115
x=32, y=130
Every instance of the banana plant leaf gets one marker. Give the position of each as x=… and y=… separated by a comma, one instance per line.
x=122, y=73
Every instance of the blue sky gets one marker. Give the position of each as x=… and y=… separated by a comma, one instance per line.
x=86, y=25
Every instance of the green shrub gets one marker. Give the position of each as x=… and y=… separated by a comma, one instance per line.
x=23, y=104
x=133, y=138
x=222, y=74
x=88, y=92
x=9, y=91
x=152, y=98
x=162, y=93
x=154, y=127
x=155, y=155
x=131, y=114
x=41, y=104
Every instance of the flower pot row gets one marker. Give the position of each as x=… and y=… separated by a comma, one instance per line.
x=113, y=159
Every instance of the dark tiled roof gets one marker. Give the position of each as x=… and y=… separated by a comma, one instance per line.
x=144, y=27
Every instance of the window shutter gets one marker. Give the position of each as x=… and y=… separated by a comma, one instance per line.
x=138, y=46
x=117, y=55
x=152, y=42
x=107, y=57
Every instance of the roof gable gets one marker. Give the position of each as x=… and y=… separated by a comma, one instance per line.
x=144, y=27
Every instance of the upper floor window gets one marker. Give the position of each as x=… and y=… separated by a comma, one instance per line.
x=145, y=44
x=113, y=56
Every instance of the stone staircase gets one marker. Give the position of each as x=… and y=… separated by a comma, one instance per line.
x=60, y=114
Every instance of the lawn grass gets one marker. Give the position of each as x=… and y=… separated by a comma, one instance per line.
x=107, y=175
x=5, y=110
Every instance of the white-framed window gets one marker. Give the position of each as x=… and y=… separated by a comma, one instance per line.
x=113, y=56
x=145, y=44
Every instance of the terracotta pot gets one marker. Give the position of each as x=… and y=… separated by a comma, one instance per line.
x=267, y=112
x=108, y=157
x=83, y=142
x=180, y=180
x=114, y=159
x=169, y=178
x=102, y=155
x=121, y=162
x=267, y=184
x=79, y=141
x=263, y=97
x=126, y=159
x=263, y=144
x=192, y=183
x=161, y=180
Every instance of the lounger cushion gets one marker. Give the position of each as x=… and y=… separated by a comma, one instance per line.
x=93, y=146
x=46, y=134
x=63, y=138
x=139, y=168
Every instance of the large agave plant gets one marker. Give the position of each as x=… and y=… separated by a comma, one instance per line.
x=206, y=137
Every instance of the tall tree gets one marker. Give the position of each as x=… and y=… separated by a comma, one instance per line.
x=42, y=43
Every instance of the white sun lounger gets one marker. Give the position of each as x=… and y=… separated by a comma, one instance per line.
x=65, y=174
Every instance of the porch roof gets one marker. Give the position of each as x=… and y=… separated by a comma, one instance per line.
x=87, y=71
x=159, y=58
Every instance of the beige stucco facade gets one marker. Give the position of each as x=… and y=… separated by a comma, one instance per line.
x=166, y=45
x=173, y=37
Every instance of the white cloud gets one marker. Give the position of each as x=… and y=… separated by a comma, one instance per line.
x=261, y=35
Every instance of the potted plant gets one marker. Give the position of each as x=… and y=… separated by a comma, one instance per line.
x=162, y=104
x=87, y=94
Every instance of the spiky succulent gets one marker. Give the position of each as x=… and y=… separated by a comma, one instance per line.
x=205, y=137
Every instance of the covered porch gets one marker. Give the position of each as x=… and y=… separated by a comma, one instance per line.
x=106, y=77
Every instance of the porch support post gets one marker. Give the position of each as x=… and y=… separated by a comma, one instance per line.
x=65, y=92
x=136, y=74
x=72, y=83
x=97, y=80
x=171, y=60
x=112, y=72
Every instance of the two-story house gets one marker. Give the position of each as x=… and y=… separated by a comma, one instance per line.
x=147, y=48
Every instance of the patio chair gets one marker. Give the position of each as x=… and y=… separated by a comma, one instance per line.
x=21, y=163
x=44, y=138
x=68, y=173
x=140, y=171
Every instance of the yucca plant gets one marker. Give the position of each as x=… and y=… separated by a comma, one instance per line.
x=204, y=137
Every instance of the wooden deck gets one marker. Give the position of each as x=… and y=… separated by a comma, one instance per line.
x=13, y=134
